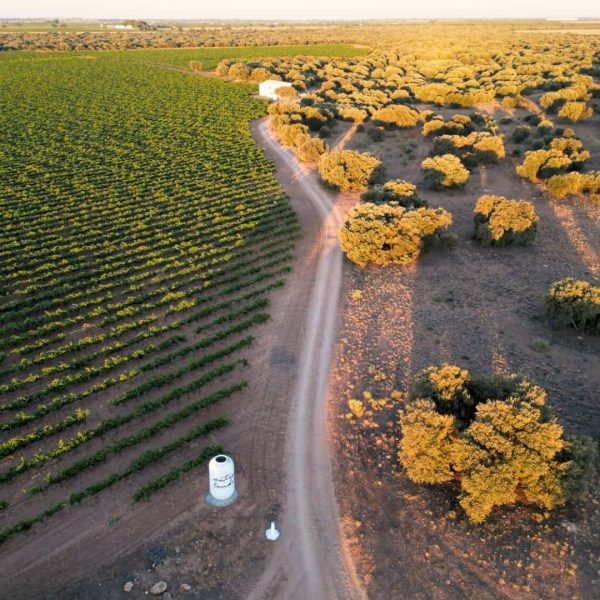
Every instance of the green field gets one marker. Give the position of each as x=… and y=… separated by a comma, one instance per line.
x=209, y=57
x=142, y=233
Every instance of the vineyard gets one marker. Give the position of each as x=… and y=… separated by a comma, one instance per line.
x=142, y=233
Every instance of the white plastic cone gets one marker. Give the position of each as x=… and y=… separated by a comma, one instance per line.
x=272, y=533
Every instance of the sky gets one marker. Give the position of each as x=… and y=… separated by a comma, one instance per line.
x=298, y=9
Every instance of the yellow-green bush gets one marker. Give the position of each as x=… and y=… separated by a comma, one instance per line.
x=459, y=124
x=495, y=436
x=260, y=74
x=579, y=91
x=398, y=115
x=575, y=111
x=575, y=303
x=574, y=183
x=445, y=171
x=222, y=68
x=536, y=160
x=475, y=148
x=312, y=150
x=395, y=192
x=351, y=113
x=384, y=234
x=563, y=154
x=286, y=93
x=563, y=185
x=349, y=170
x=238, y=71
x=292, y=135
x=502, y=222
x=426, y=444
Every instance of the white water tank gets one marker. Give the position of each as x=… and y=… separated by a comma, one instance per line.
x=221, y=476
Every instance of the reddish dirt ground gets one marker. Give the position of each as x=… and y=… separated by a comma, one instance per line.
x=482, y=309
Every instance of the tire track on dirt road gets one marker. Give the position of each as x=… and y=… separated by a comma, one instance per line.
x=311, y=561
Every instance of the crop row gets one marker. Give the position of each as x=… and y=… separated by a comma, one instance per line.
x=175, y=473
x=206, y=274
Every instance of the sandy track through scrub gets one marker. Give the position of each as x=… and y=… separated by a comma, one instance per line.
x=311, y=560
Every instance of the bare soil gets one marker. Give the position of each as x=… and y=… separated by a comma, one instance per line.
x=313, y=560
x=482, y=309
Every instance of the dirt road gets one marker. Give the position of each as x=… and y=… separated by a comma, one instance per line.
x=311, y=560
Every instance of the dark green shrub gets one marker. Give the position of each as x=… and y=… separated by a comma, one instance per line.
x=521, y=133
x=375, y=134
x=533, y=118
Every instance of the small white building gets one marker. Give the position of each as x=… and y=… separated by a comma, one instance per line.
x=267, y=88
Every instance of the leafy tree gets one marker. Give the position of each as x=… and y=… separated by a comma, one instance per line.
x=445, y=171
x=384, y=234
x=349, y=170
x=501, y=222
x=496, y=436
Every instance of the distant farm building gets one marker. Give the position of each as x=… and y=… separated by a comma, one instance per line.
x=267, y=89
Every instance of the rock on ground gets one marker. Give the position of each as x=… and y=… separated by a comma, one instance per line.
x=158, y=588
